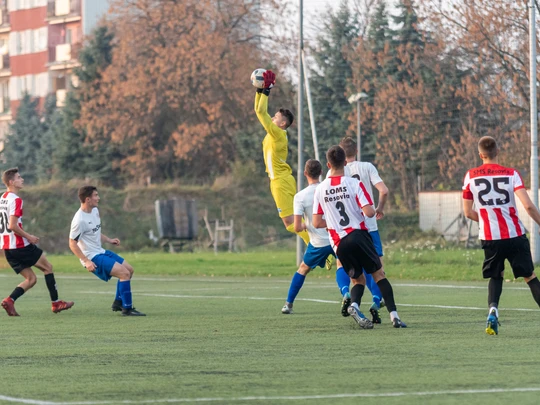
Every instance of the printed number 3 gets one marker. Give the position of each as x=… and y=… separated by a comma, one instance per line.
x=497, y=182
x=4, y=223
x=344, y=217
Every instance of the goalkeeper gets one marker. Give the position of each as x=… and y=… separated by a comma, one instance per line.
x=275, y=150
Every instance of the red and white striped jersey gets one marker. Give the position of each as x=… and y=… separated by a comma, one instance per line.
x=492, y=188
x=11, y=204
x=340, y=199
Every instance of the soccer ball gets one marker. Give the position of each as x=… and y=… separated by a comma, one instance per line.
x=257, y=78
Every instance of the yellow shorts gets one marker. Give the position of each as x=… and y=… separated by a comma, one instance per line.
x=283, y=190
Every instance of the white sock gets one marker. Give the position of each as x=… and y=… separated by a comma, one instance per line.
x=496, y=311
x=354, y=304
x=393, y=315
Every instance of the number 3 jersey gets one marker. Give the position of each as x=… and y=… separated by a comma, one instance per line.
x=492, y=188
x=11, y=205
x=340, y=199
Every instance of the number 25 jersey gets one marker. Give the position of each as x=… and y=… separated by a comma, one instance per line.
x=340, y=199
x=11, y=204
x=492, y=188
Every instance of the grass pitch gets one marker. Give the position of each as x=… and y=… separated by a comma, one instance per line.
x=224, y=340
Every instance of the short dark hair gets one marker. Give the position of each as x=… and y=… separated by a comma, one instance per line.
x=349, y=146
x=488, y=147
x=288, y=115
x=313, y=168
x=86, y=192
x=336, y=157
x=9, y=175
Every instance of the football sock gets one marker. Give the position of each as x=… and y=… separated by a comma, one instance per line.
x=393, y=315
x=534, y=285
x=125, y=292
x=17, y=292
x=304, y=235
x=118, y=296
x=51, y=286
x=296, y=284
x=493, y=308
x=495, y=286
x=373, y=289
x=356, y=293
x=343, y=280
x=388, y=294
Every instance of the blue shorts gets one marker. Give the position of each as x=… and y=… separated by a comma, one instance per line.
x=105, y=263
x=377, y=242
x=317, y=256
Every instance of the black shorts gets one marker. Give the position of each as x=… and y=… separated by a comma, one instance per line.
x=356, y=251
x=23, y=258
x=516, y=250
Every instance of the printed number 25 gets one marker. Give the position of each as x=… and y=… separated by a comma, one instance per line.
x=497, y=182
x=344, y=217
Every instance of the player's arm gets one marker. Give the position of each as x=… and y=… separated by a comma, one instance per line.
x=89, y=264
x=364, y=200
x=318, y=221
x=528, y=205
x=14, y=227
x=469, y=211
x=106, y=239
x=264, y=118
x=383, y=197
x=299, y=225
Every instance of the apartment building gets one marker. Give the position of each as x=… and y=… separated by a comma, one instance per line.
x=39, y=42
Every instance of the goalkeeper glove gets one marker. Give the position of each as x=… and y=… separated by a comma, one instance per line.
x=269, y=82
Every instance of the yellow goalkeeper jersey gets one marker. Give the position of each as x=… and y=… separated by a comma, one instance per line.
x=275, y=143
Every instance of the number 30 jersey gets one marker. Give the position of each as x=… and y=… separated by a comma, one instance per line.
x=340, y=199
x=492, y=188
x=11, y=204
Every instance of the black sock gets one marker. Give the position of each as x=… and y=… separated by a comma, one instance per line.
x=494, y=291
x=356, y=293
x=51, y=285
x=17, y=292
x=534, y=285
x=388, y=294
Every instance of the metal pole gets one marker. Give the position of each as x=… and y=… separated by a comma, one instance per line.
x=310, y=108
x=300, y=171
x=534, y=130
x=358, y=132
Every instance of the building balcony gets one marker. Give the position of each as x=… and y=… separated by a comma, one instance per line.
x=62, y=11
x=5, y=25
x=61, y=97
x=63, y=56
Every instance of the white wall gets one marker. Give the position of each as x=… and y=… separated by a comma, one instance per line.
x=437, y=210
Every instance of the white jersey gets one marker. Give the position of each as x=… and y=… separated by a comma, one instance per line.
x=86, y=230
x=340, y=199
x=303, y=205
x=11, y=205
x=492, y=188
x=369, y=176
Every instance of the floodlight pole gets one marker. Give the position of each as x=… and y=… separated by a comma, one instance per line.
x=300, y=169
x=535, y=251
x=358, y=132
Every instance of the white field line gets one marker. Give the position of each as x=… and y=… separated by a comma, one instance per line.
x=228, y=297
x=265, y=280
x=278, y=398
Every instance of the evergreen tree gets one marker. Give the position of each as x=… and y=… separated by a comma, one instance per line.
x=74, y=157
x=23, y=144
x=330, y=80
x=50, y=120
